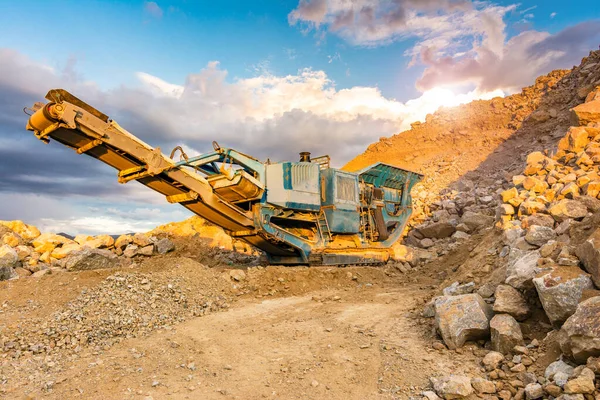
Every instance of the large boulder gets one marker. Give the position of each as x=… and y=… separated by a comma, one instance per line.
x=452, y=386
x=589, y=254
x=522, y=269
x=560, y=291
x=9, y=260
x=565, y=209
x=164, y=246
x=510, y=301
x=27, y=232
x=506, y=333
x=88, y=258
x=476, y=221
x=437, y=230
x=66, y=249
x=462, y=318
x=580, y=334
x=587, y=112
x=538, y=235
x=99, y=242
x=122, y=241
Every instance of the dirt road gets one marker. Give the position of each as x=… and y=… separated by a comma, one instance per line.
x=288, y=333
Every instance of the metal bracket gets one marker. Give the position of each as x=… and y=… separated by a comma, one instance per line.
x=89, y=146
x=182, y=197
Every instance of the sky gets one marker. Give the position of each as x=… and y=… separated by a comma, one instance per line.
x=269, y=78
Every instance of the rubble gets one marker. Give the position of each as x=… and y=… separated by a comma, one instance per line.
x=560, y=291
x=581, y=332
x=505, y=333
x=510, y=301
x=461, y=318
x=452, y=386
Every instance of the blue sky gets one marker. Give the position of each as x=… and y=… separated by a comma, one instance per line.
x=110, y=40
x=268, y=77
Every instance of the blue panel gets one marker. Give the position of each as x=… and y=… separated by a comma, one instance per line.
x=341, y=221
x=287, y=175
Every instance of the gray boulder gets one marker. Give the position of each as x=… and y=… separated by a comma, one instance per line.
x=88, y=258
x=9, y=260
x=457, y=289
x=476, y=221
x=589, y=254
x=521, y=271
x=580, y=334
x=164, y=246
x=506, y=333
x=560, y=291
x=437, y=230
x=510, y=301
x=538, y=235
x=462, y=318
x=556, y=367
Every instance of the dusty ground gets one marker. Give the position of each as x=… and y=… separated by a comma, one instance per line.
x=297, y=333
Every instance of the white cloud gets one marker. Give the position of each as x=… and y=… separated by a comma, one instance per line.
x=458, y=42
x=440, y=24
x=552, y=15
x=152, y=8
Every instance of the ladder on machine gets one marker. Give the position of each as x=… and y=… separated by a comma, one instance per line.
x=323, y=226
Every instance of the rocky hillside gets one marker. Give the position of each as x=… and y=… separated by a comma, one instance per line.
x=485, y=140
x=517, y=239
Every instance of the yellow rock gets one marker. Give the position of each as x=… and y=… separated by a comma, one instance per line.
x=100, y=241
x=61, y=252
x=593, y=188
x=50, y=238
x=81, y=239
x=12, y=239
x=509, y=194
x=537, y=185
x=27, y=232
x=401, y=253
x=45, y=247
x=46, y=257
x=575, y=140
x=122, y=241
x=23, y=252
x=587, y=112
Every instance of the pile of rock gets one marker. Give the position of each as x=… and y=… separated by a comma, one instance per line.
x=25, y=251
x=455, y=215
x=124, y=305
x=512, y=377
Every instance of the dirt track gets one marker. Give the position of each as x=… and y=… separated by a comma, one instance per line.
x=297, y=333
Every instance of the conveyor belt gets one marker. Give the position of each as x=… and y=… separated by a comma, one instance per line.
x=75, y=124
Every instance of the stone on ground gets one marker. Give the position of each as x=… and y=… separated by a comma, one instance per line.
x=583, y=383
x=565, y=209
x=538, y=235
x=520, y=272
x=534, y=391
x=510, y=301
x=9, y=260
x=462, y=318
x=492, y=360
x=587, y=112
x=27, y=232
x=589, y=254
x=506, y=333
x=164, y=246
x=581, y=332
x=87, y=259
x=452, y=386
x=560, y=291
